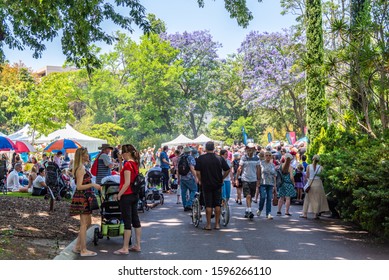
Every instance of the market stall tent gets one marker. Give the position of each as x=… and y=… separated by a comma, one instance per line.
x=69, y=132
x=24, y=134
x=180, y=140
x=202, y=139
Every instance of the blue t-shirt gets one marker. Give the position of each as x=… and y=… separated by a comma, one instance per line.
x=163, y=155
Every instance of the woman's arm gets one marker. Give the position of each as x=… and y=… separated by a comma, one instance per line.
x=291, y=174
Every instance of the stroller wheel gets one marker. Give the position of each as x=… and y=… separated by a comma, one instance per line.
x=68, y=196
x=162, y=199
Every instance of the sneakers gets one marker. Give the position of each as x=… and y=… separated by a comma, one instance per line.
x=240, y=203
x=259, y=212
x=269, y=217
x=251, y=215
x=279, y=213
x=246, y=214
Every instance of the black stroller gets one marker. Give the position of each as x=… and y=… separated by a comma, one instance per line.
x=57, y=188
x=154, y=195
x=111, y=225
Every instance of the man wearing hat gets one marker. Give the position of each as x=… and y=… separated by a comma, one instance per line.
x=104, y=163
x=250, y=171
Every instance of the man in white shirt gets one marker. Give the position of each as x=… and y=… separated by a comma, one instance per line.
x=13, y=183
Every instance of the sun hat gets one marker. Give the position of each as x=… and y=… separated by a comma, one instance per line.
x=105, y=146
x=288, y=155
x=250, y=145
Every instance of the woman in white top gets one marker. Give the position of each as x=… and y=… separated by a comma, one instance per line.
x=40, y=180
x=315, y=200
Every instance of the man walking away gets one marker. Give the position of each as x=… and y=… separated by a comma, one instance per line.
x=187, y=178
x=250, y=171
x=209, y=170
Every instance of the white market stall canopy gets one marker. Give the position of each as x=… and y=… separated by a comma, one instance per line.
x=69, y=132
x=2, y=134
x=202, y=139
x=180, y=140
x=24, y=134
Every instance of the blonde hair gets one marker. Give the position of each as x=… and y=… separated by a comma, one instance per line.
x=78, y=161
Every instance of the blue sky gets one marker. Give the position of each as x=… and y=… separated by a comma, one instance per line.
x=180, y=16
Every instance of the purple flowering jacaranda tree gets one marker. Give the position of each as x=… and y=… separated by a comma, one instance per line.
x=273, y=75
x=198, y=56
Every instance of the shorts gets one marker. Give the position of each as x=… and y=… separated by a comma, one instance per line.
x=249, y=188
x=213, y=198
x=238, y=186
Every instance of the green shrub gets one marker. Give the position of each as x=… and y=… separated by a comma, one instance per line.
x=357, y=173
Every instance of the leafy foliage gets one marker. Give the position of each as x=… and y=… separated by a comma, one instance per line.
x=356, y=172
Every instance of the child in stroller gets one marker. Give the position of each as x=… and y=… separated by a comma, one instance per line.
x=154, y=181
x=111, y=224
x=57, y=187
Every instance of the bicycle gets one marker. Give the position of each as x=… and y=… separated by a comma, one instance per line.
x=225, y=212
x=196, y=210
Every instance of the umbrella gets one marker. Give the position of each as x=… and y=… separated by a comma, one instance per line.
x=301, y=140
x=23, y=147
x=6, y=144
x=63, y=145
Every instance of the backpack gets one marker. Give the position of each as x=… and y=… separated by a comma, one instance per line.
x=183, y=165
x=93, y=169
x=138, y=184
x=279, y=179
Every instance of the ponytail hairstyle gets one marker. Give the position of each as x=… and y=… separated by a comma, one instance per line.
x=134, y=153
x=315, y=159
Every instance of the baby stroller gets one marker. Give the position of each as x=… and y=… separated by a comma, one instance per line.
x=57, y=188
x=111, y=224
x=154, y=195
x=142, y=203
x=3, y=176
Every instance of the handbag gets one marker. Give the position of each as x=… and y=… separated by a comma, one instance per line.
x=307, y=186
x=91, y=198
x=275, y=198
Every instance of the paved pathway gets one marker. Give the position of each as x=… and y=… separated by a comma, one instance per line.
x=169, y=235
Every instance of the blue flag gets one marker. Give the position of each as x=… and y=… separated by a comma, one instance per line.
x=244, y=135
x=269, y=138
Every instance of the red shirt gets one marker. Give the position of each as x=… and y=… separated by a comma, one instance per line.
x=130, y=166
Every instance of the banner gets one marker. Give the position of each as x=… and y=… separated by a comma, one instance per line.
x=269, y=138
x=292, y=135
x=244, y=135
x=288, y=138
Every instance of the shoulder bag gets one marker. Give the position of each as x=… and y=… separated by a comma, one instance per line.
x=307, y=186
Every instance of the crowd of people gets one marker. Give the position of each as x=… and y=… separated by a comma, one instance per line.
x=211, y=170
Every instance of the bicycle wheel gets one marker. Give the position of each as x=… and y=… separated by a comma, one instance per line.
x=225, y=213
x=196, y=212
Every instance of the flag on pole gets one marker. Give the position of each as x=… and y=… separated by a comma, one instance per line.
x=269, y=138
x=288, y=138
x=244, y=135
x=292, y=135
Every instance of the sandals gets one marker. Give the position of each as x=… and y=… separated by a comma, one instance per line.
x=205, y=228
x=88, y=254
x=118, y=252
x=303, y=217
x=134, y=249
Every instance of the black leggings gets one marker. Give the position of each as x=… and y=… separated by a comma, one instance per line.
x=129, y=208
